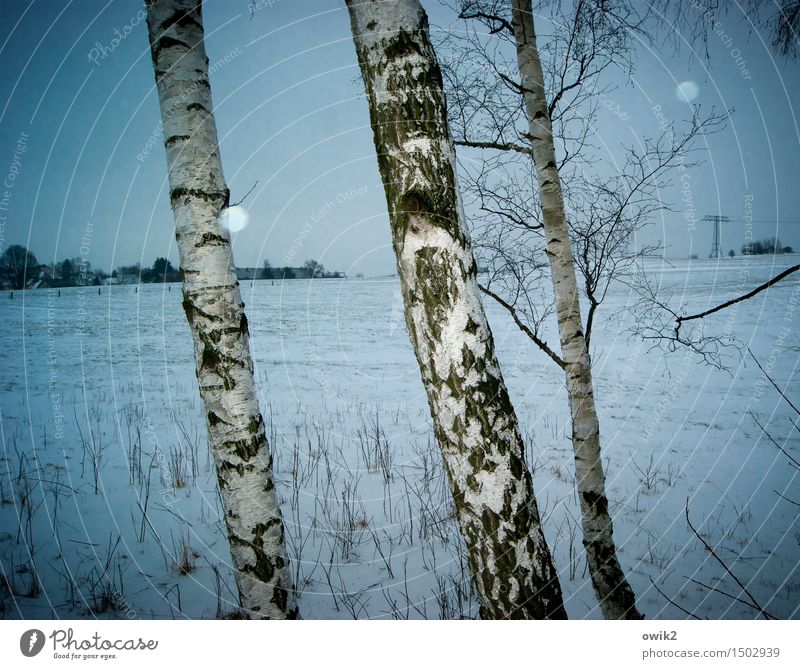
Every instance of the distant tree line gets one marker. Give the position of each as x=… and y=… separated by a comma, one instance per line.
x=311, y=269
x=770, y=246
x=16, y=264
x=20, y=268
x=162, y=271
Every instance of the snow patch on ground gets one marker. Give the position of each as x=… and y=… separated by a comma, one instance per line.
x=104, y=384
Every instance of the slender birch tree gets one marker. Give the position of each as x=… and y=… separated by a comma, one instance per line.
x=215, y=311
x=615, y=595
x=552, y=218
x=475, y=424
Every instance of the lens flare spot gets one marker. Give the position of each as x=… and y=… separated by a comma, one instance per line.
x=234, y=219
x=686, y=91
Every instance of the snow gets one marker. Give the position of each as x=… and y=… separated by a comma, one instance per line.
x=370, y=516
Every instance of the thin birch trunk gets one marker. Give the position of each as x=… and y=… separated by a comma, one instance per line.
x=613, y=591
x=474, y=422
x=215, y=311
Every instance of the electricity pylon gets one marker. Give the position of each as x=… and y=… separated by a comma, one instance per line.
x=716, y=252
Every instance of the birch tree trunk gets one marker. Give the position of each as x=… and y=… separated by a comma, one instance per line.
x=474, y=422
x=613, y=591
x=215, y=311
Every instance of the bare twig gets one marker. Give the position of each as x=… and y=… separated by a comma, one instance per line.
x=682, y=319
x=672, y=601
x=793, y=461
x=774, y=385
x=522, y=326
x=713, y=553
x=246, y=195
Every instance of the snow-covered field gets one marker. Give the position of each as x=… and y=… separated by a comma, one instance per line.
x=109, y=508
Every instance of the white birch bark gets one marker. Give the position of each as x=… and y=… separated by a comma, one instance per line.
x=474, y=422
x=614, y=594
x=215, y=311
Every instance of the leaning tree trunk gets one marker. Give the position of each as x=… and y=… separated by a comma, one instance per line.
x=215, y=311
x=613, y=591
x=474, y=422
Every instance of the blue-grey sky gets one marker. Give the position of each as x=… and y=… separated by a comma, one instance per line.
x=78, y=91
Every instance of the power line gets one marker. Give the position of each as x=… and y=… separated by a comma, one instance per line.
x=762, y=220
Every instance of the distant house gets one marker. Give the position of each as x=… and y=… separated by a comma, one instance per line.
x=128, y=278
x=42, y=280
x=300, y=272
x=168, y=277
x=45, y=277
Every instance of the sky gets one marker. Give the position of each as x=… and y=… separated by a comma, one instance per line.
x=81, y=146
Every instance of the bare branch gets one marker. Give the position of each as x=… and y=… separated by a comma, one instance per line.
x=246, y=195
x=673, y=602
x=792, y=460
x=785, y=497
x=726, y=594
x=498, y=146
x=494, y=22
x=774, y=385
x=713, y=553
x=522, y=326
x=682, y=319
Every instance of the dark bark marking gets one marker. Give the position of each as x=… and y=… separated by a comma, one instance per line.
x=180, y=20
x=208, y=196
x=174, y=139
x=167, y=42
